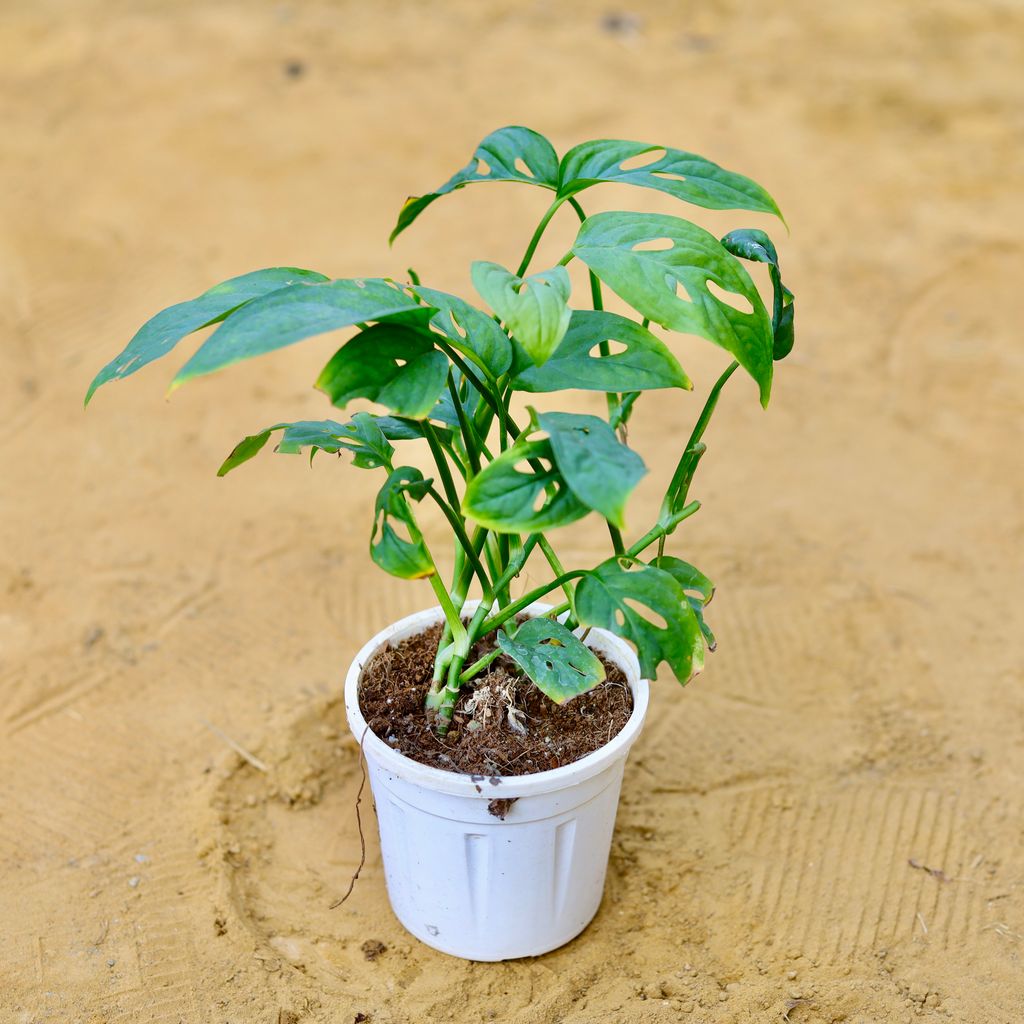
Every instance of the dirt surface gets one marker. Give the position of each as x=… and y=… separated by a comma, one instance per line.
x=825, y=827
x=502, y=725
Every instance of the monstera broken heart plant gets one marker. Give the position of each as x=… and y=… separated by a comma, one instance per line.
x=496, y=727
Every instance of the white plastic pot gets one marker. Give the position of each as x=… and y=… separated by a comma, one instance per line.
x=472, y=884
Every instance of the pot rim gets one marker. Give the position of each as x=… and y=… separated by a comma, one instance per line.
x=459, y=784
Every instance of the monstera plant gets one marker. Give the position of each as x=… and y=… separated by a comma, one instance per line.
x=449, y=373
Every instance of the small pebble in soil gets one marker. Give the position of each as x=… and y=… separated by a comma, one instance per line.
x=134, y=881
x=373, y=948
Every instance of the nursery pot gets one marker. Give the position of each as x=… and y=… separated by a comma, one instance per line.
x=468, y=882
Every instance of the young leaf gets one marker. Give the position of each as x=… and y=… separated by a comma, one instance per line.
x=509, y=154
x=559, y=663
x=162, y=332
x=469, y=330
x=685, y=176
x=397, y=555
x=613, y=246
x=512, y=496
x=535, y=308
x=299, y=311
x=246, y=449
x=625, y=601
x=646, y=362
x=599, y=469
x=699, y=590
x=754, y=245
x=391, y=364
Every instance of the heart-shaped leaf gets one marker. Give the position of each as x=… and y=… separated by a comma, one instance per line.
x=648, y=607
x=469, y=330
x=509, y=154
x=405, y=557
x=616, y=246
x=521, y=491
x=599, y=469
x=534, y=308
x=160, y=334
x=391, y=364
x=754, y=245
x=559, y=663
x=644, y=364
x=699, y=589
x=299, y=311
x=683, y=175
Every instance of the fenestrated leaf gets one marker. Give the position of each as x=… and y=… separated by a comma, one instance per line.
x=752, y=244
x=160, y=334
x=366, y=437
x=612, y=245
x=471, y=331
x=405, y=557
x=626, y=601
x=683, y=175
x=509, y=154
x=646, y=362
x=699, y=589
x=599, y=469
x=534, y=308
x=510, y=496
x=559, y=663
x=299, y=311
x=394, y=365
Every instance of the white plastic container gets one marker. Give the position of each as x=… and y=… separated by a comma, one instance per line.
x=469, y=883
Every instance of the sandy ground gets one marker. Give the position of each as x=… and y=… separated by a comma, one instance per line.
x=864, y=708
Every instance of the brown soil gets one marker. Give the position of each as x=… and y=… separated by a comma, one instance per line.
x=864, y=707
x=503, y=725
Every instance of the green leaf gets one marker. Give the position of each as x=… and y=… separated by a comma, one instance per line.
x=646, y=362
x=521, y=491
x=559, y=663
x=683, y=175
x=405, y=557
x=534, y=308
x=299, y=311
x=246, y=449
x=160, y=334
x=688, y=259
x=509, y=154
x=752, y=244
x=699, y=590
x=648, y=607
x=391, y=364
x=469, y=330
x=599, y=469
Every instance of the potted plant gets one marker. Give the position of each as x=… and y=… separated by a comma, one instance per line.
x=495, y=727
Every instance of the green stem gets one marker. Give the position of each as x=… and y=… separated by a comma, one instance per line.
x=527, y=599
x=460, y=532
x=471, y=442
x=664, y=526
x=444, y=471
x=532, y=247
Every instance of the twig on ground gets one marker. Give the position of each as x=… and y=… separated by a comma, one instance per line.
x=359, y=824
x=252, y=759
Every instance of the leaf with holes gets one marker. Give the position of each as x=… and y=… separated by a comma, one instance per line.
x=616, y=246
x=393, y=365
x=599, y=469
x=299, y=311
x=534, y=308
x=469, y=330
x=643, y=364
x=405, y=557
x=630, y=604
x=683, y=175
x=559, y=663
x=509, y=154
x=699, y=589
x=521, y=491
x=161, y=333
x=754, y=245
